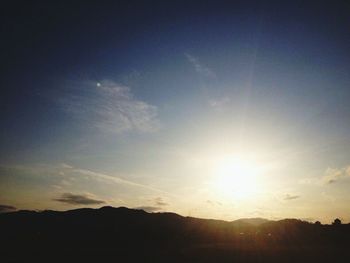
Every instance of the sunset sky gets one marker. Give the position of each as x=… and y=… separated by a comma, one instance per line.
x=208, y=109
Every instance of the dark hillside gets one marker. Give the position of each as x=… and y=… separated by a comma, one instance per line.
x=122, y=234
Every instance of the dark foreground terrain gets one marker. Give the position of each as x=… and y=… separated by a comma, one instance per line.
x=126, y=235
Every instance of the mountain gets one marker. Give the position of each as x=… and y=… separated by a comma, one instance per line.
x=252, y=221
x=130, y=235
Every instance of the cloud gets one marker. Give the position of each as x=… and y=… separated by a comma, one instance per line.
x=160, y=202
x=64, y=165
x=115, y=179
x=334, y=175
x=220, y=103
x=7, y=208
x=149, y=209
x=288, y=197
x=76, y=199
x=111, y=107
x=199, y=67
x=66, y=176
x=331, y=176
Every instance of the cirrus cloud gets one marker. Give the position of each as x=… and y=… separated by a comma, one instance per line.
x=199, y=67
x=110, y=107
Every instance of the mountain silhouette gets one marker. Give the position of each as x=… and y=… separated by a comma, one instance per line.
x=130, y=235
x=253, y=221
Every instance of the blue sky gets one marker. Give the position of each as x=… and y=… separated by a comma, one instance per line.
x=157, y=106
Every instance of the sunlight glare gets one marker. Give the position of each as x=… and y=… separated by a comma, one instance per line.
x=236, y=178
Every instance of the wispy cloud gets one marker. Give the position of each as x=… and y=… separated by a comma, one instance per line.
x=110, y=107
x=331, y=176
x=78, y=199
x=219, y=104
x=289, y=197
x=114, y=179
x=149, y=209
x=7, y=208
x=334, y=175
x=66, y=176
x=64, y=165
x=199, y=67
x=158, y=204
x=159, y=201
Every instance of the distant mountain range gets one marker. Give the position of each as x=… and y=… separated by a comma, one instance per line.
x=253, y=221
x=134, y=235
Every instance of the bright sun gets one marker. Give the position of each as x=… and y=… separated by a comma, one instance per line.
x=236, y=178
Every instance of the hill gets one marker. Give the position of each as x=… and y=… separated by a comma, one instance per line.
x=129, y=235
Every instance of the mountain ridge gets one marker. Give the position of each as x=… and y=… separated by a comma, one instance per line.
x=91, y=234
x=250, y=220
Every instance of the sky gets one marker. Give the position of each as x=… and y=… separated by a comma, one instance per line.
x=221, y=109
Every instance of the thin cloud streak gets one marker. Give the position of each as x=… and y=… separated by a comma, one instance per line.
x=65, y=172
x=78, y=199
x=110, y=107
x=199, y=67
x=117, y=180
x=288, y=197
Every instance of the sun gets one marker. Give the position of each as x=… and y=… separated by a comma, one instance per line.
x=236, y=178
